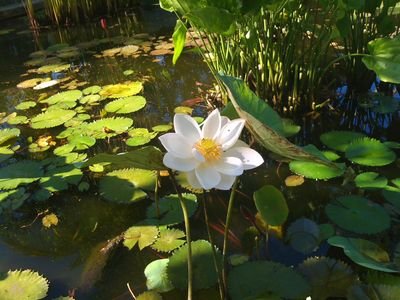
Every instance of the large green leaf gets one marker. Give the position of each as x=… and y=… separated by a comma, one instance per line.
x=126, y=105
x=24, y=284
x=144, y=236
x=364, y=253
x=157, y=277
x=7, y=134
x=384, y=58
x=68, y=96
x=52, y=118
x=263, y=122
x=357, y=214
x=271, y=204
x=179, y=38
x=370, y=180
x=339, y=140
x=212, y=20
x=251, y=280
x=149, y=158
x=107, y=127
x=22, y=172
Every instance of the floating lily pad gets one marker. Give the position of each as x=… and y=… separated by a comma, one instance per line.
x=365, y=253
x=30, y=83
x=126, y=105
x=128, y=72
x=25, y=105
x=64, y=149
x=94, y=89
x=24, y=284
x=52, y=118
x=8, y=134
x=130, y=183
x=149, y=295
x=53, y=68
x=357, y=214
x=81, y=142
x=162, y=128
x=183, y=110
x=90, y=99
x=157, y=277
x=121, y=90
x=16, y=120
x=170, y=209
x=204, y=274
x=251, y=280
x=140, y=136
x=67, y=96
x=107, y=127
x=329, y=278
x=340, y=140
x=303, y=235
x=315, y=170
x=370, y=180
x=5, y=153
x=332, y=156
x=271, y=204
x=369, y=152
x=57, y=179
x=144, y=236
x=169, y=240
x=294, y=180
x=22, y=172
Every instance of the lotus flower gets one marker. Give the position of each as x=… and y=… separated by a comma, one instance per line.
x=212, y=155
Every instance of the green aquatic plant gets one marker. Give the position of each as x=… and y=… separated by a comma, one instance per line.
x=107, y=127
x=126, y=105
x=121, y=90
x=68, y=96
x=8, y=134
x=370, y=180
x=304, y=235
x=140, y=136
x=52, y=118
x=157, y=277
x=339, y=140
x=19, y=173
x=271, y=204
x=169, y=240
x=144, y=236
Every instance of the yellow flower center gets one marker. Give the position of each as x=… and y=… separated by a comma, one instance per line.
x=210, y=150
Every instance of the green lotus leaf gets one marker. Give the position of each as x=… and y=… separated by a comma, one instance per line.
x=67, y=96
x=25, y=284
x=157, y=277
x=303, y=235
x=121, y=90
x=25, y=105
x=62, y=105
x=204, y=274
x=329, y=278
x=52, y=118
x=162, y=128
x=90, y=99
x=144, y=236
x=396, y=182
x=16, y=120
x=73, y=158
x=314, y=170
x=271, y=204
x=94, y=89
x=169, y=208
x=22, y=172
x=183, y=110
x=13, y=199
x=81, y=142
x=139, y=137
x=253, y=279
x=5, y=153
x=8, y=134
x=125, y=186
x=340, y=140
x=35, y=148
x=64, y=150
x=149, y=295
x=392, y=145
x=169, y=240
x=41, y=195
x=369, y=152
x=364, y=253
x=357, y=214
x=370, y=180
x=332, y=156
x=57, y=179
x=392, y=196
x=53, y=68
x=126, y=105
x=107, y=127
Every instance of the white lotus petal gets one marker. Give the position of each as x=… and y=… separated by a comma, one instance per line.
x=249, y=157
x=179, y=164
x=207, y=176
x=240, y=143
x=177, y=145
x=224, y=121
x=197, y=155
x=226, y=182
x=46, y=84
x=230, y=133
x=212, y=125
x=192, y=180
x=232, y=166
x=186, y=126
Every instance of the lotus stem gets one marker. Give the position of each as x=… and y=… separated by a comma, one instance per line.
x=157, y=195
x=217, y=269
x=226, y=232
x=188, y=235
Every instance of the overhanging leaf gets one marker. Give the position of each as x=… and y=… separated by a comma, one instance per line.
x=179, y=38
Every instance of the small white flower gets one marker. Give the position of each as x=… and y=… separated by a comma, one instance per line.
x=211, y=156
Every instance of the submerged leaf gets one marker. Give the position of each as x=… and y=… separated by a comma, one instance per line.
x=303, y=235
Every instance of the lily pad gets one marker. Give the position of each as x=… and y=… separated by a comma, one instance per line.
x=144, y=236
x=140, y=136
x=8, y=134
x=52, y=118
x=30, y=83
x=169, y=240
x=53, y=68
x=68, y=96
x=107, y=127
x=271, y=204
x=129, y=183
x=357, y=214
x=16, y=120
x=121, y=90
x=90, y=99
x=162, y=128
x=369, y=152
x=24, y=284
x=81, y=142
x=329, y=278
x=5, y=153
x=169, y=208
x=294, y=180
x=253, y=279
x=126, y=105
x=183, y=110
x=303, y=235
x=94, y=89
x=157, y=277
x=22, y=172
x=340, y=140
x=204, y=274
x=25, y=105
x=370, y=180
x=365, y=253
x=315, y=170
